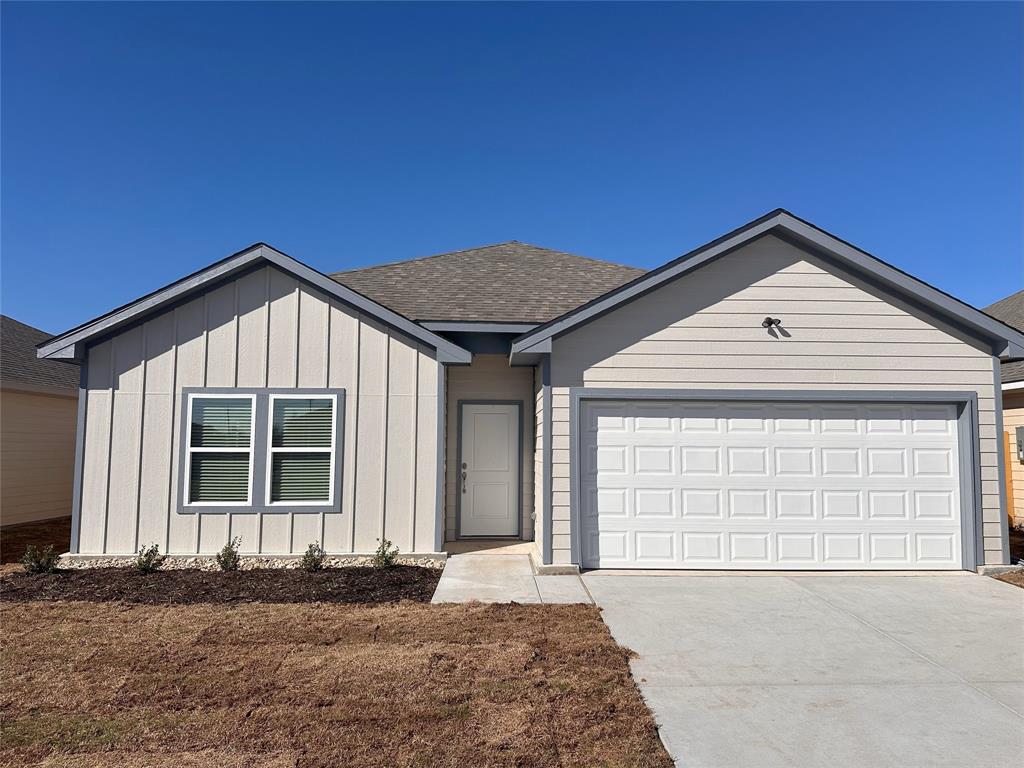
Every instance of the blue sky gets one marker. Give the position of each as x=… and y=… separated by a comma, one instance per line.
x=143, y=141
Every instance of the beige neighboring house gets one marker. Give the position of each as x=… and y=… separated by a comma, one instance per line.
x=1011, y=311
x=38, y=405
x=774, y=399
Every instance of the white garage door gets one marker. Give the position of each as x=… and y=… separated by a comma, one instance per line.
x=763, y=486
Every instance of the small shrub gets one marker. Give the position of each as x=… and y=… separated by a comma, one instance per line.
x=40, y=562
x=314, y=558
x=149, y=559
x=228, y=558
x=386, y=555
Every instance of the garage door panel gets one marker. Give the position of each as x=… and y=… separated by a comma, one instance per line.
x=829, y=486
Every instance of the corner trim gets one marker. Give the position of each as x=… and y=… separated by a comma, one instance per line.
x=547, y=453
x=1004, y=508
x=520, y=406
x=968, y=437
x=442, y=431
x=76, y=497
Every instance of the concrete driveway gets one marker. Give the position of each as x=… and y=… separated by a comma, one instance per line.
x=825, y=670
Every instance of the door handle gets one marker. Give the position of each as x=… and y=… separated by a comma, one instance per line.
x=463, y=481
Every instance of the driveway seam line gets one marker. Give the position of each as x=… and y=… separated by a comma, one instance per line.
x=900, y=643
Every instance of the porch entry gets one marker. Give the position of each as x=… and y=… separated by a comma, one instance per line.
x=489, y=471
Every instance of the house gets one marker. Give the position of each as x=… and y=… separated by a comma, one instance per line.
x=38, y=403
x=1011, y=311
x=775, y=399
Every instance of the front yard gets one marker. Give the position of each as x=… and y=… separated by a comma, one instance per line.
x=146, y=674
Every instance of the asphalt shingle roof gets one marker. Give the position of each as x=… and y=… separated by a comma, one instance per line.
x=1010, y=311
x=18, y=361
x=508, y=282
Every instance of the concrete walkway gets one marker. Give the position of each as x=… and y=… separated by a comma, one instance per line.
x=490, y=578
x=810, y=670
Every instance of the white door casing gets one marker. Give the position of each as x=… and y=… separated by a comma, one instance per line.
x=817, y=486
x=488, y=475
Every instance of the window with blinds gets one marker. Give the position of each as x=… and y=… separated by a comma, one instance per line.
x=301, y=450
x=220, y=448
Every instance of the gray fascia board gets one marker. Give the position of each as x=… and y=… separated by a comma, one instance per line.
x=57, y=347
x=784, y=222
x=644, y=284
x=941, y=302
x=478, y=327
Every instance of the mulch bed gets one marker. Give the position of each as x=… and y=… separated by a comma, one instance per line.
x=1012, y=577
x=15, y=538
x=116, y=685
x=190, y=587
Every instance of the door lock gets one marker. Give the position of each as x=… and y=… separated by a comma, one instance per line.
x=463, y=477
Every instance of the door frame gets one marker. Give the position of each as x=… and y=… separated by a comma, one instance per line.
x=966, y=402
x=519, y=404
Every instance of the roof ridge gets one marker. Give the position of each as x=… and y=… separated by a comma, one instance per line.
x=421, y=258
x=580, y=256
x=591, y=259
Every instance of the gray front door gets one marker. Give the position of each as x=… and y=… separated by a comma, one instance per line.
x=488, y=475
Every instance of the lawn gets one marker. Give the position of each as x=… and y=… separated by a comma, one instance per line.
x=155, y=678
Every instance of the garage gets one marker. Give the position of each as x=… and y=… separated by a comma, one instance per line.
x=742, y=484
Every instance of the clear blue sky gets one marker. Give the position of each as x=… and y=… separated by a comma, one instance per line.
x=143, y=141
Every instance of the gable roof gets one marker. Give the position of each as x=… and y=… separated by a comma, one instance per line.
x=509, y=282
x=19, y=364
x=69, y=345
x=1011, y=311
x=1006, y=341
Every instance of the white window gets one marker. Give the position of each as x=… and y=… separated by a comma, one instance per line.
x=219, y=450
x=301, y=450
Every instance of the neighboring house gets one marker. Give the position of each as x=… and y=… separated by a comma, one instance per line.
x=774, y=399
x=1011, y=311
x=38, y=402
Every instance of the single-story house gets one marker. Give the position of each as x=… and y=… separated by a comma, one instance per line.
x=38, y=406
x=774, y=399
x=1011, y=311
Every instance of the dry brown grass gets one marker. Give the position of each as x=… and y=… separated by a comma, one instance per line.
x=119, y=685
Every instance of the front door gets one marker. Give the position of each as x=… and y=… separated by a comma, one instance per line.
x=488, y=471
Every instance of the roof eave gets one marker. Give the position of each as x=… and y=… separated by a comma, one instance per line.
x=70, y=346
x=1006, y=341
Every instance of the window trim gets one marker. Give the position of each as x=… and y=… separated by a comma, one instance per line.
x=190, y=449
x=259, y=475
x=271, y=450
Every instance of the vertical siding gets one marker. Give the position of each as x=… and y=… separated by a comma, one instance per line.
x=37, y=455
x=1013, y=417
x=262, y=329
x=704, y=332
x=489, y=378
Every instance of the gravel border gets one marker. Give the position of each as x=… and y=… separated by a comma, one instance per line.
x=246, y=563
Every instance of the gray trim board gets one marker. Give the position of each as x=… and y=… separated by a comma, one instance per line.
x=478, y=327
x=260, y=451
x=546, y=461
x=76, y=493
x=59, y=346
x=442, y=432
x=521, y=406
x=1008, y=341
x=1004, y=507
x=972, y=542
